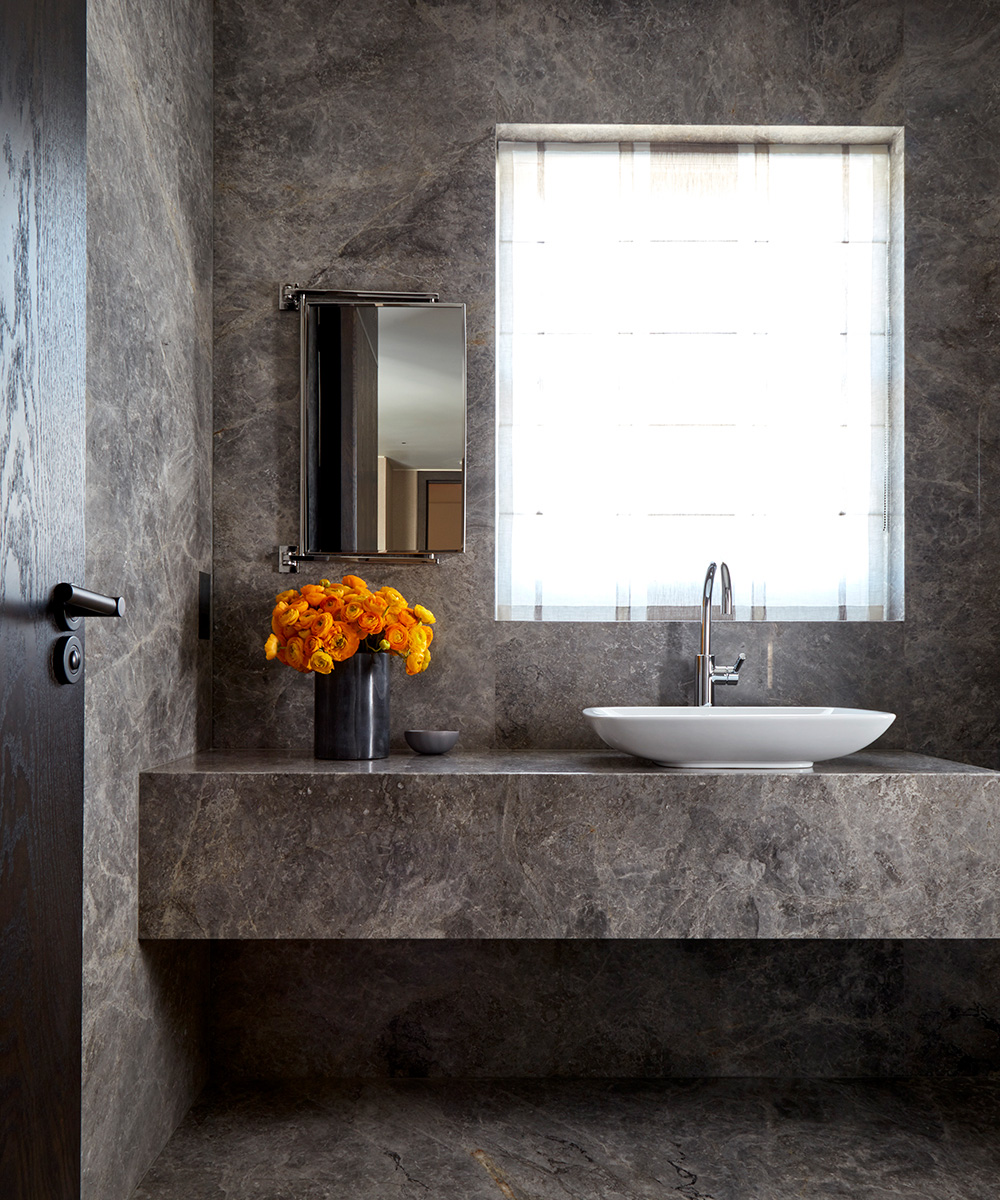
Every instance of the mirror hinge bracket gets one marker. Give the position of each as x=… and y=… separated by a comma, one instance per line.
x=291, y=295
x=289, y=558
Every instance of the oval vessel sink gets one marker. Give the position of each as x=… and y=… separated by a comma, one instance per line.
x=738, y=737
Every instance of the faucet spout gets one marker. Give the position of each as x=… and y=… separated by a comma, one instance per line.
x=706, y=604
x=706, y=674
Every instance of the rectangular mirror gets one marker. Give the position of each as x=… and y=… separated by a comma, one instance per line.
x=383, y=425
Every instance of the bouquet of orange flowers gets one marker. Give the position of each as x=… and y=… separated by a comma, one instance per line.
x=326, y=623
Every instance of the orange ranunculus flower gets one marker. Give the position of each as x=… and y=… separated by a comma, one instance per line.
x=333, y=605
x=354, y=606
x=342, y=641
x=313, y=593
x=419, y=638
x=322, y=625
x=271, y=647
x=394, y=597
x=320, y=662
x=423, y=614
x=288, y=618
x=377, y=604
x=397, y=636
x=295, y=654
x=406, y=618
x=284, y=597
x=415, y=663
x=370, y=623
x=355, y=583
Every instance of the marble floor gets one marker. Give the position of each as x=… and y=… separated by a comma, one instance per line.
x=708, y=1139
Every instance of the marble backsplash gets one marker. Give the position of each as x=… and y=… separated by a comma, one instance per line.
x=357, y=151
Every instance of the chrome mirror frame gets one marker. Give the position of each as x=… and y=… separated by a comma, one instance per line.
x=304, y=300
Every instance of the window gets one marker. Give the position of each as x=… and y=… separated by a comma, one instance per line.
x=697, y=360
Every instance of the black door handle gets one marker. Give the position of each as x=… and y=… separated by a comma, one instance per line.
x=71, y=604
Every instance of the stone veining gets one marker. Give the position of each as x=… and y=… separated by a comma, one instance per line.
x=522, y=845
x=316, y=183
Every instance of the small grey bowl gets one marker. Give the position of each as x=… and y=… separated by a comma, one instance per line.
x=431, y=741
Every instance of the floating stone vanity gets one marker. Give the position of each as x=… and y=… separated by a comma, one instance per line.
x=565, y=844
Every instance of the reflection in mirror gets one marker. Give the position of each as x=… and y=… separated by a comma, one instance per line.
x=383, y=427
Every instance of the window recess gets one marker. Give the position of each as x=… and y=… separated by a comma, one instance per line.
x=699, y=357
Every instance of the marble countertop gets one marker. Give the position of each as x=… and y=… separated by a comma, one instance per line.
x=273, y=844
x=534, y=762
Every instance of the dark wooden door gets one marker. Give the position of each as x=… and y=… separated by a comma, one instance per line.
x=42, y=430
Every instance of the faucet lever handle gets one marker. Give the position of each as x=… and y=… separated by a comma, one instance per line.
x=731, y=675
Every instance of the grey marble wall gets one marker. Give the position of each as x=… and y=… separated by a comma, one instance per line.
x=148, y=515
x=353, y=1009
x=354, y=148
x=358, y=152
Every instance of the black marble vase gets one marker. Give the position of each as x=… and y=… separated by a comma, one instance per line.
x=352, y=708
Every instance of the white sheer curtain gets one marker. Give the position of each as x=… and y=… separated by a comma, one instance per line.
x=692, y=365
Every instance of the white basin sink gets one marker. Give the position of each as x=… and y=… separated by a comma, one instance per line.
x=738, y=737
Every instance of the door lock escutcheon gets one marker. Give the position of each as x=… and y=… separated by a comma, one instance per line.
x=68, y=658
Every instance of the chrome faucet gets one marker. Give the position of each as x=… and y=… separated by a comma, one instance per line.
x=706, y=674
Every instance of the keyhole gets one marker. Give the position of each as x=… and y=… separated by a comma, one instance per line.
x=68, y=659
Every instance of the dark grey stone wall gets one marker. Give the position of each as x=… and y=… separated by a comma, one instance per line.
x=357, y=151
x=148, y=514
x=612, y=1009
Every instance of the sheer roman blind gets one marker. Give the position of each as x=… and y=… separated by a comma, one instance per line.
x=693, y=364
